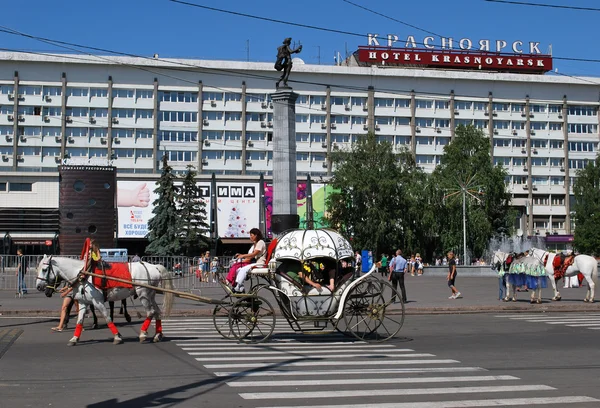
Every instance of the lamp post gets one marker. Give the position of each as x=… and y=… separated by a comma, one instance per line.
x=464, y=188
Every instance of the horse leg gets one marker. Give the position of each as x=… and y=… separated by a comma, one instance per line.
x=148, y=305
x=124, y=309
x=553, y=283
x=93, y=310
x=99, y=305
x=78, y=326
x=158, y=336
x=111, y=306
x=591, y=288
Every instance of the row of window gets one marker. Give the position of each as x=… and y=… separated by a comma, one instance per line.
x=4, y=186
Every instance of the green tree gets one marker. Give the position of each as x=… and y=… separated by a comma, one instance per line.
x=372, y=191
x=466, y=163
x=192, y=211
x=587, y=208
x=164, y=228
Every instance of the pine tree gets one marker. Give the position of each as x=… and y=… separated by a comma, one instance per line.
x=192, y=212
x=587, y=208
x=165, y=226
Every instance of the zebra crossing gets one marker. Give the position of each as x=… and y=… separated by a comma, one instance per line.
x=334, y=371
x=589, y=321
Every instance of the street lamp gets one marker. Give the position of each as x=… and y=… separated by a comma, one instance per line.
x=466, y=188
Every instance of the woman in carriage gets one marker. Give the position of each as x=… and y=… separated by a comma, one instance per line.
x=243, y=264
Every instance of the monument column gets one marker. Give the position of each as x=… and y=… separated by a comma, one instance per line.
x=285, y=210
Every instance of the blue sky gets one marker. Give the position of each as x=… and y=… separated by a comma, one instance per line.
x=145, y=27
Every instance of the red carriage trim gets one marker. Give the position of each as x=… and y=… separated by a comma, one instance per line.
x=117, y=270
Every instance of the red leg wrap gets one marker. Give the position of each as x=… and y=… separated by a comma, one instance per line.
x=159, y=326
x=146, y=324
x=113, y=328
x=78, y=330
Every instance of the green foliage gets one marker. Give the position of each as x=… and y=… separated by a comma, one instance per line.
x=587, y=209
x=467, y=162
x=376, y=200
x=192, y=215
x=165, y=227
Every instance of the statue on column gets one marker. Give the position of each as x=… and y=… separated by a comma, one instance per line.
x=284, y=60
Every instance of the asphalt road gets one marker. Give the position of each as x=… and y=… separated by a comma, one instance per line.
x=452, y=360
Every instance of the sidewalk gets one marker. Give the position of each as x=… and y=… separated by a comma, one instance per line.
x=427, y=294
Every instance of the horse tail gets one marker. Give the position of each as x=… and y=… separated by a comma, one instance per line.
x=167, y=283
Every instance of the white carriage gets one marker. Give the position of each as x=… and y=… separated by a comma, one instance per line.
x=360, y=304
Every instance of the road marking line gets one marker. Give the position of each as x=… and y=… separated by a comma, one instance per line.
x=333, y=363
x=271, y=373
x=347, y=381
x=281, y=356
x=279, y=351
x=462, y=404
x=390, y=392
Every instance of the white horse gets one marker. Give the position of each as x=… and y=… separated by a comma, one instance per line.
x=51, y=270
x=584, y=264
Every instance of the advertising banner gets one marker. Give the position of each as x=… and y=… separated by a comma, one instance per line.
x=135, y=205
x=238, y=206
x=319, y=195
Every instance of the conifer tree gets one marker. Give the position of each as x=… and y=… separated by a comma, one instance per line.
x=192, y=214
x=587, y=208
x=165, y=226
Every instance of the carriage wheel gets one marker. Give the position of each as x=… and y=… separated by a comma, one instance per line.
x=370, y=313
x=221, y=318
x=252, y=319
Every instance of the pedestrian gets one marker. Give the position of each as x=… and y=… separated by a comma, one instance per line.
x=384, y=264
x=21, y=271
x=452, y=276
x=136, y=258
x=206, y=266
x=411, y=265
x=214, y=269
x=398, y=267
x=419, y=264
x=357, y=261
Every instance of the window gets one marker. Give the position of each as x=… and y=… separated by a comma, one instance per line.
x=212, y=154
x=98, y=153
x=231, y=155
x=424, y=122
x=424, y=140
x=178, y=136
x=504, y=161
x=384, y=102
x=233, y=116
x=402, y=103
x=317, y=100
x=125, y=133
x=442, y=104
x=144, y=113
x=582, y=110
x=501, y=142
x=302, y=137
x=301, y=118
x=317, y=118
x=301, y=156
x=501, y=107
x=122, y=113
x=233, y=135
x=424, y=159
x=555, y=126
x=540, y=224
x=125, y=153
x=30, y=90
x=578, y=164
x=519, y=142
x=302, y=100
x=480, y=106
x=254, y=97
x=47, y=131
x=557, y=181
x=318, y=157
x=556, y=162
x=517, y=107
x=76, y=132
x=256, y=155
x=213, y=135
x=20, y=186
x=255, y=117
x=144, y=94
x=317, y=137
x=122, y=93
x=558, y=200
x=555, y=108
x=339, y=100
x=6, y=109
x=143, y=153
x=537, y=108
x=74, y=91
x=172, y=116
x=463, y=122
x=501, y=124
x=538, y=125
x=539, y=161
x=583, y=128
x=539, y=200
x=98, y=92
x=424, y=104
x=558, y=224
x=517, y=125
x=95, y=132
x=98, y=112
x=233, y=97
x=212, y=96
x=480, y=124
x=384, y=120
x=406, y=122
x=463, y=105
x=339, y=138
x=539, y=144
x=359, y=120
x=556, y=144
x=358, y=101
x=255, y=136
x=519, y=161
x=342, y=119
x=77, y=112
x=440, y=141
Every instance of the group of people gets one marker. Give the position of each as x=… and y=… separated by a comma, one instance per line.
x=415, y=265
x=207, y=268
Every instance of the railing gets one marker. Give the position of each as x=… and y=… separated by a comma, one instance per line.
x=184, y=271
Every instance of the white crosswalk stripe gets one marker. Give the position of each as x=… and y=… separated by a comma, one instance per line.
x=335, y=371
x=587, y=320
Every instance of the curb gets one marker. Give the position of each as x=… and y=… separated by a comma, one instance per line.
x=523, y=307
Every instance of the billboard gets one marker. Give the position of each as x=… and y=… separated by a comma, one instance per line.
x=319, y=195
x=135, y=205
x=238, y=207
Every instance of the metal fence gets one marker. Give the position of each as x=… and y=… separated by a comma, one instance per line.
x=184, y=271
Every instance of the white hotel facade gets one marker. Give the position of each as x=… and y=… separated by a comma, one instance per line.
x=217, y=116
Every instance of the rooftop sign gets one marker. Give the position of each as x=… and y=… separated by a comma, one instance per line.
x=449, y=53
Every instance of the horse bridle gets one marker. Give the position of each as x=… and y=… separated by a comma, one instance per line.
x=50, y=283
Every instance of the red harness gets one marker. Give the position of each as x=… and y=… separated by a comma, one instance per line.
x=117, y=270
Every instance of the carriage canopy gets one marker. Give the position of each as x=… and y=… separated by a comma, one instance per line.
x=303, y=245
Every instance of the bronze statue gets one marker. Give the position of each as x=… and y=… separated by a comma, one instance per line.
x=284, y=60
